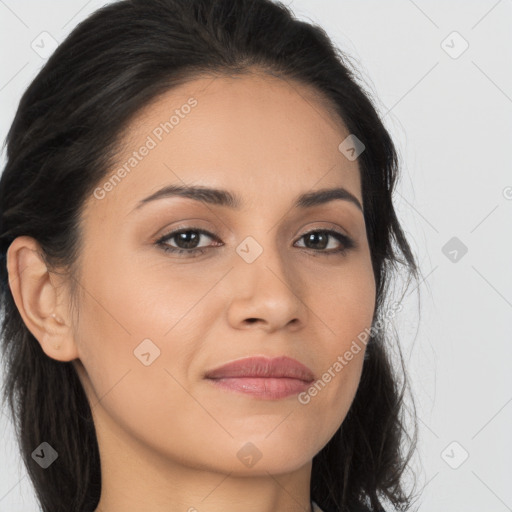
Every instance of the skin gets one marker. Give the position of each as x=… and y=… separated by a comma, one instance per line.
x=168, y=438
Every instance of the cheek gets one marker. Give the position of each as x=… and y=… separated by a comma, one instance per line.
x=138, y=339
x=139, y=319
x=132, y=299
x=345, y=309
x=127, y=320
x=344, y=301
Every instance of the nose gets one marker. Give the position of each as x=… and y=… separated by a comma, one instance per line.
x=267, y=294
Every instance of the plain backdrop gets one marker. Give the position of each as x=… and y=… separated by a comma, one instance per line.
x=441, y=74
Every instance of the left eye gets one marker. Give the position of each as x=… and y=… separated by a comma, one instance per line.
x=187, y=240
x=323, y=236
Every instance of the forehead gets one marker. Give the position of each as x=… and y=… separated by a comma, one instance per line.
x=265, y=137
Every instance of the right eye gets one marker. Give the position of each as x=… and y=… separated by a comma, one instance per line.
x=187, y=237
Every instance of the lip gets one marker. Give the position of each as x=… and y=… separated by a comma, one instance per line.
x=262, y=377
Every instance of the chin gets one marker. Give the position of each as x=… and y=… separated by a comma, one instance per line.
x=263, y=455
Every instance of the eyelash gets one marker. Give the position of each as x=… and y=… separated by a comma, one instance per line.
x=347, y=243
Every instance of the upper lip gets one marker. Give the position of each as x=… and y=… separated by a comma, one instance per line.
x=261, y=366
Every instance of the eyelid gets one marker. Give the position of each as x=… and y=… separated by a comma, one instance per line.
x=299, y=233
x=347, y=242
x=328, y=226
x=177, y=230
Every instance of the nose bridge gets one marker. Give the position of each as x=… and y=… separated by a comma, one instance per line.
x=266, y=287
x=264, y=258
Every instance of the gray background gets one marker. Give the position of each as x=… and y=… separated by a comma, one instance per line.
x=450, y=114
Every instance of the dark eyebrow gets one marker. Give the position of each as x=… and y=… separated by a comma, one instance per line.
x=220, y=197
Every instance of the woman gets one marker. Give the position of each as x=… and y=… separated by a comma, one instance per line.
x=197, y=233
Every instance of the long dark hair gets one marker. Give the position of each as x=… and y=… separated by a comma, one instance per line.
x=63, y=140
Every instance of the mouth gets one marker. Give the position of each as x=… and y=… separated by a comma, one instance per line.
x=261, y=377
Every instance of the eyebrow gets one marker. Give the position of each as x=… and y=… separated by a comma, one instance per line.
x=220, y=197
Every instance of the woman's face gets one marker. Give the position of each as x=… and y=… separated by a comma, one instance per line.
x=153, y=322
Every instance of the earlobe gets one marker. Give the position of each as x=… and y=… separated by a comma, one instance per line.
x=36, y=298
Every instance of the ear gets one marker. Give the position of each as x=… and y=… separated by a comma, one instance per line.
x=36, y=293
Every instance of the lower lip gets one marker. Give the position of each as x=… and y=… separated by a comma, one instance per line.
x=269, y=388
